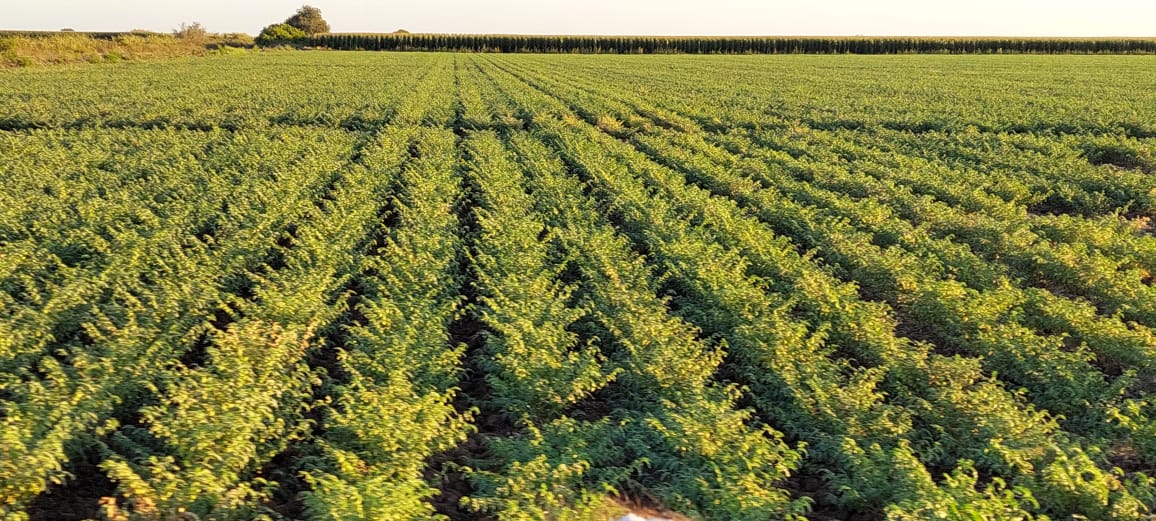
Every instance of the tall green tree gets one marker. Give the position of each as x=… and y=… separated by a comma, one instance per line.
x=308, y=19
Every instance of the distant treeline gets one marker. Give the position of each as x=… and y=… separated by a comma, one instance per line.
x=726, y=45
x=98, y=35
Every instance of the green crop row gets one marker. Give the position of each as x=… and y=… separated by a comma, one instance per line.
x=723, y=45
x=475, y=286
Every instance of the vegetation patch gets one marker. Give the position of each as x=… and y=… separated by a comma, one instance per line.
x=26, y=50
x=1121, y=156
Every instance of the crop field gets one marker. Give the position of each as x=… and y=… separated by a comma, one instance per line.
x=398, y=286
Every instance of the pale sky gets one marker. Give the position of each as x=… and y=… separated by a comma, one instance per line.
x=672, y=17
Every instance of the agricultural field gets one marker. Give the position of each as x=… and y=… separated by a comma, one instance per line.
x=340, y=286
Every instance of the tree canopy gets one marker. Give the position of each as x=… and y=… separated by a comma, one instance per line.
x=280, y=34
x=309, y=20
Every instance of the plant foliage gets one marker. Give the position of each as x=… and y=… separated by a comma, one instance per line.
x=435, y=286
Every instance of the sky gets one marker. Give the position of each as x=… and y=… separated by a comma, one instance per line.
x=665, y=17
